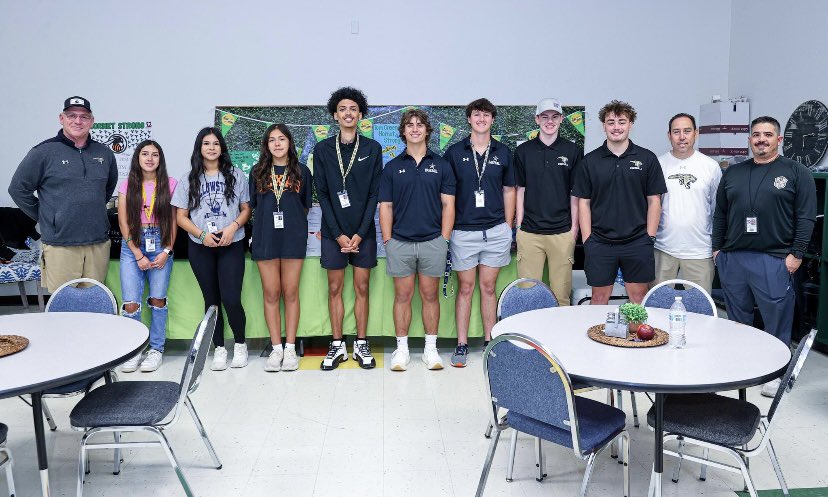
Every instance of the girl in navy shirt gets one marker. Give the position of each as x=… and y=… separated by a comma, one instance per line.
x=280, y=194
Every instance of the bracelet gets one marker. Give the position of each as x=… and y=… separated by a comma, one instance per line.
x=142, y=257
x=237, y=224
x=128, y=240
x=202, y=236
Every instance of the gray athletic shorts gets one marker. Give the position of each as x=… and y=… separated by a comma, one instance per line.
x=490, y=247
x=407, y=258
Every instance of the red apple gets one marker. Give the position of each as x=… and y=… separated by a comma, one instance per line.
x=645, y=332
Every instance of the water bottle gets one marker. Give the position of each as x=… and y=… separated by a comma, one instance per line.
x=678, y=321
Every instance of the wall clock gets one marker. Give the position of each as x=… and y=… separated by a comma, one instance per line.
x=806, y=134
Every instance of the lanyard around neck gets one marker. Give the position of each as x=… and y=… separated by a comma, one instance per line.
x=477, y=168
x=350, y=163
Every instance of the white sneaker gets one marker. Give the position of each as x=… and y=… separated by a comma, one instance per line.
x=219, y=359
x=274, y=360
x=770, y=388
x=239, y=355
x=132, y=364
x=431, y=358
x=152, y=361
x=335, y=355
x=400, y=359
x=291, y=360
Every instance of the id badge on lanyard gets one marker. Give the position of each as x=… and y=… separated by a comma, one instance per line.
x=344, y=201
x=212, y=227
x=149, y=244
x=479, y=198
x=278, y=220
x=751, y=224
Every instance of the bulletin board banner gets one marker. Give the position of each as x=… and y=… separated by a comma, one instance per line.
x=243, y=128
x=122, y=137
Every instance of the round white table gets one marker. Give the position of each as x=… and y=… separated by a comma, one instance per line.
x=64, y=347
x=720, y=355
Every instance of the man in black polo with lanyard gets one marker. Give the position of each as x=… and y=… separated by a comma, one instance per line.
x=547, y=213
x=619, y=186
x=765, y=215
x=485, y=206
x=347, y=169
x=416, y=216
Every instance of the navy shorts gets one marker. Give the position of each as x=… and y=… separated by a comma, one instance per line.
x=333, y=258
x=636, y=258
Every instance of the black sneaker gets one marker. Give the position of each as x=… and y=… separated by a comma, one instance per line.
x=362, y=354
x=335, y=355
x=460, y=355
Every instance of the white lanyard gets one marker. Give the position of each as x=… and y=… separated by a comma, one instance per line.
x=477, y=168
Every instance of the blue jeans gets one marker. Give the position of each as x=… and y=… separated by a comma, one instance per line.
x=132, y=285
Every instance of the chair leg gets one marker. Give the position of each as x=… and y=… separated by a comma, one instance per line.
x=9, y=464
x=778, y=469
x=749, y=488
x=677, y=469
x=611, y=401
x=512, y=447
x=40, y=297
x=202, y=432
x=116, y=470
x=174, y=461
x=634, y=409
x=83, y=463
x=539, y=459
x=703, y=472
x=626, y=438
x=587, y=474
x=616, y=449
x=48, y=415
x=488, y=432
x=22, y=288
x=488, y=464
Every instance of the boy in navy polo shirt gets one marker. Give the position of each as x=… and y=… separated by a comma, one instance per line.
x=416, y=217
x=619, y=186
x=485, y=205
x=346, y=173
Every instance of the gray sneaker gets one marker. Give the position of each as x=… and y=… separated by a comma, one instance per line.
x=291, y=361
x=460, y=355
x=274, y=360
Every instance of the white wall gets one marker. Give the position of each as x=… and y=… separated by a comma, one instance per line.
x=778, y=55
x=172, y=61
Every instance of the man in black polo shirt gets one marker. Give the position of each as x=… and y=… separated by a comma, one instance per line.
x=546, y=211
x=765, y=215
x=619, y=186
x=347, y=169
x=416, y=216
x=485, y=204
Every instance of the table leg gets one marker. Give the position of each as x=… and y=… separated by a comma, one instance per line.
x=658, y=449
x=40, y=439
x=743, y=394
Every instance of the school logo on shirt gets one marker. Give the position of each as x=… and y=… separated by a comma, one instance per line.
x=99, y=159
x=465, y=159
x=564, y=161
x=779, y=182
x=684, y=179
x=431, y=169
x=494, y=161
x=636, y=164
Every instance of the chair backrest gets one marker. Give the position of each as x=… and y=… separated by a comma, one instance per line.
x=93, y=298
x=695, y=298
x=524, y=294
x=530, y=382
x=197, y=355
x=792, y=373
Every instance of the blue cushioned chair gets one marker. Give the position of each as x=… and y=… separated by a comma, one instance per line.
x=529, y=382
x=23, y=267
x=524, y=294
x=147, y=407
x=728, y=425
x=694, y=297
x=6, y=460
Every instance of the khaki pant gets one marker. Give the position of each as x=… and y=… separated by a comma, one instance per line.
x=698, y=271
x=60, y=264
x=556, y=250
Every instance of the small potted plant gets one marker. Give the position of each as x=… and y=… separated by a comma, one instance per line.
x=636, y=315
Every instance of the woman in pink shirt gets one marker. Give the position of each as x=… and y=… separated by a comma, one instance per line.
x=147, y=222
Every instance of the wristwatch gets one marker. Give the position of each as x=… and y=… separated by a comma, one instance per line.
x=653, y=238
x=168, y=251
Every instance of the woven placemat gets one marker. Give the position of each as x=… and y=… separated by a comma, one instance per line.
x=597, y=333
x=10, y=344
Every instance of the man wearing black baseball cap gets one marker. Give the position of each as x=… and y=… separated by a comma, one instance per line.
x=74, y=177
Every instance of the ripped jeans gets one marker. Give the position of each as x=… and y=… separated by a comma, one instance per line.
x=132, y=285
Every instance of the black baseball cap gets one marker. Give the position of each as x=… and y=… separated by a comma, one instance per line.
x=77, y=102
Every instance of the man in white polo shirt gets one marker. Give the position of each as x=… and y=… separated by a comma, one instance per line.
x=683, y=243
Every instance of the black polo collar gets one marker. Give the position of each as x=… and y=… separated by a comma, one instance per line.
x=62, y=137
x=632, y=149
x=428, y=155
x=495, y=144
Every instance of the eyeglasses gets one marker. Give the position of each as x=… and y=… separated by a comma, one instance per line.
x=83, y=117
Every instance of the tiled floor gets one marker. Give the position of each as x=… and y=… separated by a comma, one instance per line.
x=374, y=433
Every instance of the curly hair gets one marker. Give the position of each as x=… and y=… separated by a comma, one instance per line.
x=419, y=114
x=483, y=105
x=618, y=108
x=348, y=93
